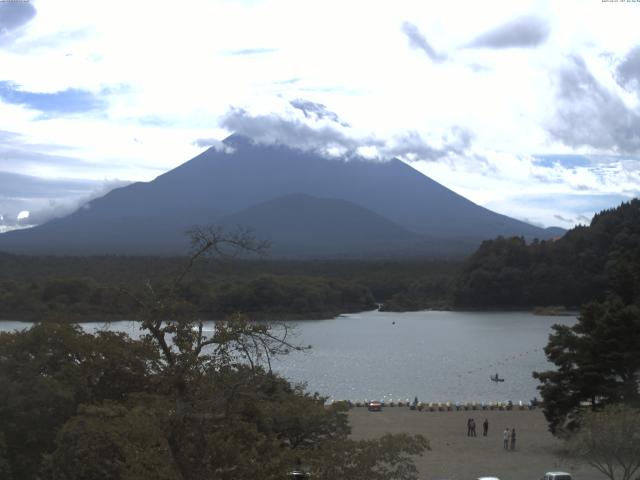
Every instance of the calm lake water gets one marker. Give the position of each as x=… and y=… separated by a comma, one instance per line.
x=436, y=356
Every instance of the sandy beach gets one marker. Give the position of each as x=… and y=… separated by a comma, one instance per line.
x=455, y=456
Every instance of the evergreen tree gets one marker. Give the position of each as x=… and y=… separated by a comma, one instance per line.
x=597, y=359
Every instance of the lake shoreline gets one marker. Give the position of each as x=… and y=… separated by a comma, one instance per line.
x=434, y=355
x=317, y=316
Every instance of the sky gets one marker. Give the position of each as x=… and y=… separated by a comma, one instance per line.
x=529, y=108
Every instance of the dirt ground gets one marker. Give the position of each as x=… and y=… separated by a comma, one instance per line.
x=455, y=456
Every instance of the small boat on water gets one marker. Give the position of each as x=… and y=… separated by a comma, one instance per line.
x=496, y=378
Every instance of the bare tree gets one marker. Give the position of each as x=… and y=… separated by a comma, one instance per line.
x=195, y=361
x=176, y=327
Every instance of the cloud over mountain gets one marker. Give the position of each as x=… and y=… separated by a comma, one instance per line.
x=332, y=138
x=294, y=132
x=45, y=199
x=255, y=183
x=316, y=110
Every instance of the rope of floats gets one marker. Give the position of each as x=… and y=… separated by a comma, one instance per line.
x=503, y=361
x=456, y=406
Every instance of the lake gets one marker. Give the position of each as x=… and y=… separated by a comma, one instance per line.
x=436, y=356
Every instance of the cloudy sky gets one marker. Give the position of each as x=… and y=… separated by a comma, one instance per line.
x=530, y=108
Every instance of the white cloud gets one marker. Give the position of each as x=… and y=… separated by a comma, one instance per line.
x=169, y=74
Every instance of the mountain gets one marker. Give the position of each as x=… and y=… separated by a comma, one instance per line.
x=299, y=224
x=389, y=198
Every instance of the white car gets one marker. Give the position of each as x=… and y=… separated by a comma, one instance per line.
x=557, y=476
x=488, y=478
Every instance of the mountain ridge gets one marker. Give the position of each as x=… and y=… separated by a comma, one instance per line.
x=219, y=183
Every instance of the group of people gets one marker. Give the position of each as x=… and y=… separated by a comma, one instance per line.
x=471, y=427
x=508, y=436
x=509, y=439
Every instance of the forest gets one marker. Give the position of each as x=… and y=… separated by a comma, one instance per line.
x=178, y=403
x=585, y=264
x=504, y=273
x=93, y=288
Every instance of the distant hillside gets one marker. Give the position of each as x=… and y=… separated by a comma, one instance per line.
x=214, y=187
x=299, y=224
x=583, y=265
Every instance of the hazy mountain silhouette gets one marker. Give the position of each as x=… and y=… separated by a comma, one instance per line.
x=299, y=224
x=390, y=201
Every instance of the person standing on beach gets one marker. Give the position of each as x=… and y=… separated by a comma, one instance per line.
x=485, y=427
x=505, y=439
x=473, y=427
x=468, y=427
x=513, y=439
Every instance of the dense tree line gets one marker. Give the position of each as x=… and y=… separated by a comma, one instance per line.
x=597, y=359
x=92, y=288
x=180, y=403
x=266, y=296
x=433, y=290
x=582, y=266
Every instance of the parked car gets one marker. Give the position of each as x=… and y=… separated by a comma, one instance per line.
x=557, y=476
x=374, y=406
x=298, y=475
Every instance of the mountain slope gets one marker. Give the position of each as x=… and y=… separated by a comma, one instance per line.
x=151, y=217
x=392, y=189
x=299, y=224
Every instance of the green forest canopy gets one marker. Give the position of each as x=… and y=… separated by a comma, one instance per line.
x=177, y=404
x=583, y=265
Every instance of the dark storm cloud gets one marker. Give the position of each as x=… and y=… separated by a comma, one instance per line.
x=521, y=32
x=418, y=40
x=15, y=14
x=590, y=115
x=316, y=111
x=69, y=101
x=628, y=72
